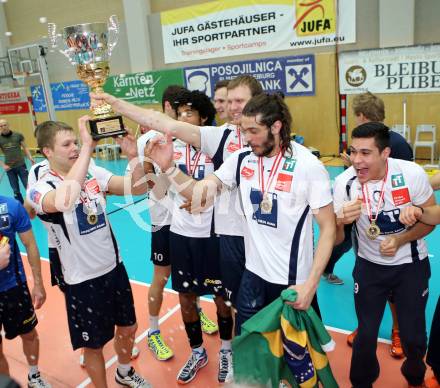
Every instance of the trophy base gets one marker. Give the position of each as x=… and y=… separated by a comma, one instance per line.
x=112, y=126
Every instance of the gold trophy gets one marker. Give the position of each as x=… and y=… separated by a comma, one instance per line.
x=88, y=47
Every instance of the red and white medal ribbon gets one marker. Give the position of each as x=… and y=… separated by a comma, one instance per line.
x=191, y=169
x=379, y=202
x=272, y=174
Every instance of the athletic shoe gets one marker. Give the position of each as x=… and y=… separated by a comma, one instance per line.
x=432, y=382
x=134, y=354
x=132, y=379
x=396, y=350
x=36, y=381
x=208, y=326
x=225, y=372
x=333, y=279
x=351, y=337
x=195, y=362
x=157, y=345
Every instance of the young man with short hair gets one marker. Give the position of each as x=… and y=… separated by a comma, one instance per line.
x=70, y=198
x=17, y=304
x=390, y=258
x=12, y=144
x=221, y=100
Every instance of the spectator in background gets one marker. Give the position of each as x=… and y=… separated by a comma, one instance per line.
x=12, y=144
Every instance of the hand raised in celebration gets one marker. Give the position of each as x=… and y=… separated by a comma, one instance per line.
x=350, y=211
x=160, y=150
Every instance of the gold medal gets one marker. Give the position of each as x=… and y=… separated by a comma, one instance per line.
x=92, y=218
x=266, y=205
x=373, y=231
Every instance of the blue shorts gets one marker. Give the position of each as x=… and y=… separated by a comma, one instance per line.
x=195, y=266
x=95, y=306
x=17, y=315
x=256, y=293
x=160, y=246
x=232, y=265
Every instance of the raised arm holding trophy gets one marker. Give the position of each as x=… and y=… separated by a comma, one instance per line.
x=88, y=47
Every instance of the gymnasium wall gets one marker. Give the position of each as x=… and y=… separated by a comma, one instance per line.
x=316, y=118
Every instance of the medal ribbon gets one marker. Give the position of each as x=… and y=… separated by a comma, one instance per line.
x=381, y=196
x=273, y=171
x=197, y=156
x=239, y=137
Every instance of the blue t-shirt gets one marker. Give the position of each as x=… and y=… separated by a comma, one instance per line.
x=400, y=149
x=13, y=219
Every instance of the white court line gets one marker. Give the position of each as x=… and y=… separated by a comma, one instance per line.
x=342, y=331
x=138, y=339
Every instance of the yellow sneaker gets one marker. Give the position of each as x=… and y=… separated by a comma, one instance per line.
x=208, y=326
x=160, y=349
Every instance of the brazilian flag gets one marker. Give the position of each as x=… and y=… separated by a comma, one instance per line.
x=283, y=347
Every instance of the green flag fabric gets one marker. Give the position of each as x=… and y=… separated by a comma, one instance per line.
x=283, y=347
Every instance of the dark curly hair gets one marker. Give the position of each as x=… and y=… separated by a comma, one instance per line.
x=268, y=108
x=198, y=101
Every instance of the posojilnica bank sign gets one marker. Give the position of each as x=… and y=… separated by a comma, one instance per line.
x=237, y=27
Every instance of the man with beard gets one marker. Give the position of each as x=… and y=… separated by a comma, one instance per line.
x=282, y=187
x=12, y=144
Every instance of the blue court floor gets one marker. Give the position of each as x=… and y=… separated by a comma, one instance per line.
x=130, y=221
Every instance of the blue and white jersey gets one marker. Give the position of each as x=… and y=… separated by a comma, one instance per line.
x=183, y=222
x=279, y=243
x=406, y=184
x=86, y=246
x=219, y=143
x=13, y=219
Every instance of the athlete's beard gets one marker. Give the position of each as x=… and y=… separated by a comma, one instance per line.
x=7, y=133
x=268, y=146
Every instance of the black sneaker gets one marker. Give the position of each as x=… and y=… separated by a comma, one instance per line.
x=195, y=362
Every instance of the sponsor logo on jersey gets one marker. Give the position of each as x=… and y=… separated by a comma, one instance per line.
x=397, y=180
x=284, y=182
x=232, y=147
x=289, y=164
x=35, y=196
x=3, y=208
x=401, y=196
x=247, y=172
x=216, y=282
x=92, y=186
x=177, y=155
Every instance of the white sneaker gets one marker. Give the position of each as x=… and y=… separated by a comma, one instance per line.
x=132, y=380
x=225, y=371
x=36, y=381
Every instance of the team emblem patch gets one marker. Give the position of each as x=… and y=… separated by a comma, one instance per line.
x=401, y=196
x=247, y=172
x=284, y=182
x=397, y=180
x=92, y=186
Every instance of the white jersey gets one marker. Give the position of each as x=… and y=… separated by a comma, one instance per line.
x=220, y=143
x=279, y=242
x=183, y=222
x=38, y=170
x=86, y=246
x=406, y=184
x=160, y=209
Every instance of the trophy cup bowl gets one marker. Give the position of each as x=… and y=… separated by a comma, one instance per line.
x=88, y=47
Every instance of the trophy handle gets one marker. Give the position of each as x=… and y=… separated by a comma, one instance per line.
x=113, y=32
